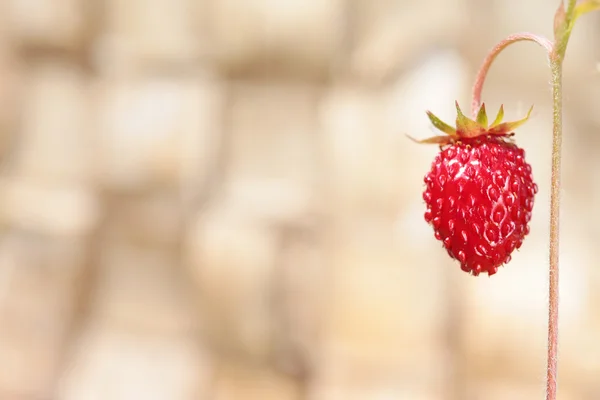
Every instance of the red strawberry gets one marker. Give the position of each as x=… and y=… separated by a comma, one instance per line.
x=480, y=191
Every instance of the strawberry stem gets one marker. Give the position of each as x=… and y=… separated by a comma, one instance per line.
x=487, y=62
x=564, y=22
x=553, y=304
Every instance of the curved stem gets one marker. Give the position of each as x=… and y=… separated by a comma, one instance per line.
x=487, y=63
x=564, y=22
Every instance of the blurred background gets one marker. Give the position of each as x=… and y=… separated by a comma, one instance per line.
x=215, y=199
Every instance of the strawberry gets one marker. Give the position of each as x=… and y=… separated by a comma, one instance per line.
x=480, y=191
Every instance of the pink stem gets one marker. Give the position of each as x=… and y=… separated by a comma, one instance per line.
x=487, y=63
x=552, y=371
x=555, y=55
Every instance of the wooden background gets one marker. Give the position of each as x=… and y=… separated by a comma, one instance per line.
x=215, y=199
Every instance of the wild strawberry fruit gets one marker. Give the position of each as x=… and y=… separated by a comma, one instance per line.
x=480, y=191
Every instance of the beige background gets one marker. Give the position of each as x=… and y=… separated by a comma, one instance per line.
x=215, y=199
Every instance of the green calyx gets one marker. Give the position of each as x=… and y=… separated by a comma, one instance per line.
x=467, y=128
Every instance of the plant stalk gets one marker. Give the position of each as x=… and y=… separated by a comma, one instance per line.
x=556, y=52
x=564, y=22
x=553, y=304
x=487, y=63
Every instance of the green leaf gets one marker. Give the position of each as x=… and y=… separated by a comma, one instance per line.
x=499, y=117
x=585, y=7
x=465, y=126
x=507, y=127
x=441, y=125
x=432, y=140
x=482, y=118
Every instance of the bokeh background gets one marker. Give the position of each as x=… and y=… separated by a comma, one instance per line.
x=216, y=199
